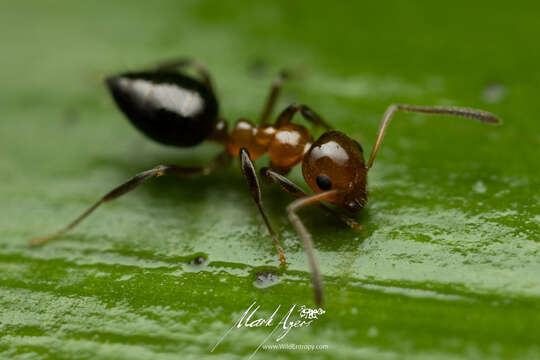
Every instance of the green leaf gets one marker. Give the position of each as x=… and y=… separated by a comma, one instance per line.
x=448, y=266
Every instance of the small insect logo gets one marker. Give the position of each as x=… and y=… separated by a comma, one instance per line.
x=308, y=313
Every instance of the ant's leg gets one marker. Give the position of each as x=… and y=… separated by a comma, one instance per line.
x=306, y=237
x=272, y=98
x=251, y=176
x=293, y=189
x=476, y=114
x=131, y=184
x=184, y=63
x=286, y=116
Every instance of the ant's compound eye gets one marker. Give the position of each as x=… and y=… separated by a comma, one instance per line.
x=358, y=146
x=323, y=182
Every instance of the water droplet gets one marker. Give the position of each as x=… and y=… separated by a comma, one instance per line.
x=373, y=332
x=494, y=93
x=479, y=187
x=264, y=279
x=198, y=260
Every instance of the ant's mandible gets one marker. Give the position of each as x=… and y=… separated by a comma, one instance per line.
x=179, y=110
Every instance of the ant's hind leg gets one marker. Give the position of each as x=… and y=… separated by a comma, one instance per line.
x=305, y=236
x=251, y=176
x=272, y=98
x=186, y=63
x=131, y=184
x=293, y=189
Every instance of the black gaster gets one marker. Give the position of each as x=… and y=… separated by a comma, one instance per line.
x=168, y=107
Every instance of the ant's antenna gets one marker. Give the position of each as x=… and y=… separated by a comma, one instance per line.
x=476, y=114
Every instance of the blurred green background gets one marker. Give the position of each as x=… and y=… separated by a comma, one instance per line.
x=448, y=266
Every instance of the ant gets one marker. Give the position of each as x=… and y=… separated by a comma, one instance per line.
x=176, y=109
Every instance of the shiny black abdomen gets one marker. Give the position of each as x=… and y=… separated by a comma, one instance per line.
x=169, y=107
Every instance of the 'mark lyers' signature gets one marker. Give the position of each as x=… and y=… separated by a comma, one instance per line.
x=286, y=323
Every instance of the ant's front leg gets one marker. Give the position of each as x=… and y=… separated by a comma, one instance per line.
x=251, y=176
x=161, y=170
x=305, y=236
x=293, y=189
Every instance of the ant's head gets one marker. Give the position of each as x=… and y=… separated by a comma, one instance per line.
x=335, y=161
